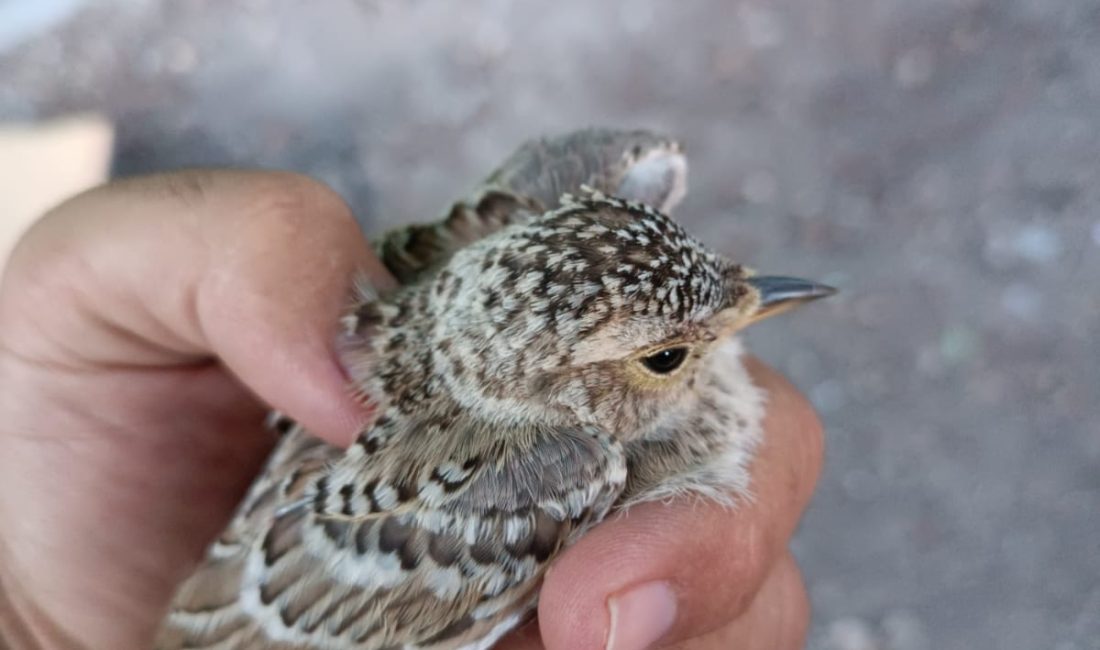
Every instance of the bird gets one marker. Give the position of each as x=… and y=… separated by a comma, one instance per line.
x=558, y=350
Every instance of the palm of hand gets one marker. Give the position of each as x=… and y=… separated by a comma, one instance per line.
x=112, y=532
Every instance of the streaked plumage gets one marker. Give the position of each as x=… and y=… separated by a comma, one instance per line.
x=520, y=385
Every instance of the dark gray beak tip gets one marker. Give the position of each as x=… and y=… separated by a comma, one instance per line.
x=778, y=291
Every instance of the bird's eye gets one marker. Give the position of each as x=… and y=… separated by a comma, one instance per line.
x=665, y=361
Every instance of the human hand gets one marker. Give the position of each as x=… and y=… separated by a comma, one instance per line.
x=144, y=325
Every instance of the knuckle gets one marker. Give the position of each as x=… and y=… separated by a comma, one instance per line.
x=792, y=415
x=795, y=603
x=188, y=187
x=749, y=569
x=42, y=262
x=812, y=432
x=298, y=203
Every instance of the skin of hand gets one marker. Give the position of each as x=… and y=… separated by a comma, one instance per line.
x=145, y=324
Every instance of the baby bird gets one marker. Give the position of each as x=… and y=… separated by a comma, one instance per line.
x=559, y=349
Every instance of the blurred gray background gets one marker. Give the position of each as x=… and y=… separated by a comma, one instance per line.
x=938, y=160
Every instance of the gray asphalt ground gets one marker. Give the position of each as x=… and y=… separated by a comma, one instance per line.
x=938, y=160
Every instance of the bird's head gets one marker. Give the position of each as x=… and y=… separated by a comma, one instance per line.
x=603, y=312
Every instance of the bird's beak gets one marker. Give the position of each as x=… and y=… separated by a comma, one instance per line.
x=779, y=294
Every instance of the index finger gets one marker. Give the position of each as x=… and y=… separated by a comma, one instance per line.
x=688, y=567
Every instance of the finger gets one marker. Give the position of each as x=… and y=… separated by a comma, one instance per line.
x=251, y=268
x=777, y=619
x=672, y=572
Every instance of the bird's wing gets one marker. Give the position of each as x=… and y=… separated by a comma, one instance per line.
x=430, y=540
x=636, y=165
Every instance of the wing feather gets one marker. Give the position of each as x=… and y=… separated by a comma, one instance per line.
x=404, y=548
x=637, y=165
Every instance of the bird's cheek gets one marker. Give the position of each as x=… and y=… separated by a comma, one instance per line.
x=622, y=415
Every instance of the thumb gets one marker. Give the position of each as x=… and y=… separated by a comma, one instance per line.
x=249, y=269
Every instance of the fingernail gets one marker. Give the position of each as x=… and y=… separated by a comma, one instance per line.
x=641, y=616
